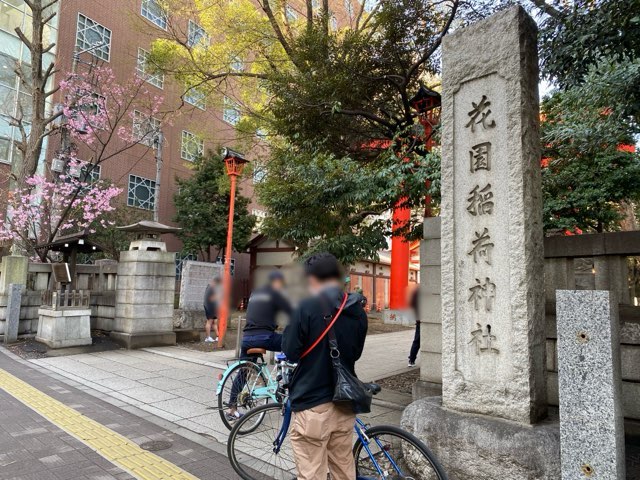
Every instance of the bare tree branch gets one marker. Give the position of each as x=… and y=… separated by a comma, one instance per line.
x=548, y=9
x=436, y=44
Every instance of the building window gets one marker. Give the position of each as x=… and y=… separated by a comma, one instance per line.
x=292, y=15
x=334, y=22
x=230, y=111
x=145, y=128
x=93, y=37
x=220, y=261
x=8, y=75
x=143, y=71
x=9, y=150
x=192, y=147
x=259, y=172
x=237, y=64
x=196, y=35
x=348, y=7
x=196, y=97
x=181, y=258
x=153, y=11
x=87, y=172
x=141, y=192
x=369, y=5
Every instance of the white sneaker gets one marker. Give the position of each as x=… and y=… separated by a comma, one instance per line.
x=216, y=339
x=411, y=364
x=208, y=340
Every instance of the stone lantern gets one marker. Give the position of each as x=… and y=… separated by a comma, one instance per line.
x=145, y=289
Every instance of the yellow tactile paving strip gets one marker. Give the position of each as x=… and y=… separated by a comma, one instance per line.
x=114, y=447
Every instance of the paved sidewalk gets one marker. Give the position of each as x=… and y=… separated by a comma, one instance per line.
x=385, y=354
x=32, y=447
x=178, y=384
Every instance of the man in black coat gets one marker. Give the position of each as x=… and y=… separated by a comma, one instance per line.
x=322, y=432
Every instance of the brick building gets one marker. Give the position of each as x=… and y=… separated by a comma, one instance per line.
x=118, y=34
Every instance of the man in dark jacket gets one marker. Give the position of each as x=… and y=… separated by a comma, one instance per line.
x=322, y=432
x=264, y=305
x=260, y=331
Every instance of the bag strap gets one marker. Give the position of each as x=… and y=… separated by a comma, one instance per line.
x=327, y=329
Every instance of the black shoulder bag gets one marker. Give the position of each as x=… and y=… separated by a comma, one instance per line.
x=348, y=388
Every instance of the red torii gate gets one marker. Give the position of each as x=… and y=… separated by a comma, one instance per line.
x=425, y=102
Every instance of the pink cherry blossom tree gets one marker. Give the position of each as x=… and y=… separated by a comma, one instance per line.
x=102, y=118
x=46, y=208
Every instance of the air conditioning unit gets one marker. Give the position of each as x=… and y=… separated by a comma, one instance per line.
x=57, y=165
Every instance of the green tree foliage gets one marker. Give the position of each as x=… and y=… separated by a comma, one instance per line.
x=202, y=210
x=576, y=35
x=319, y=201
x=588, y=175
x=333, y=99
x=590, y=49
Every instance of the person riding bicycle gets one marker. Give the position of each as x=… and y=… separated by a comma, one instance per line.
x=260, y=331
x=322, y=431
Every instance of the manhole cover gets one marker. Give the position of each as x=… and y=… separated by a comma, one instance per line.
x=156, y=445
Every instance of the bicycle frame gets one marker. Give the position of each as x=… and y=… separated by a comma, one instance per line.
x=360, y=428
x=268, y=391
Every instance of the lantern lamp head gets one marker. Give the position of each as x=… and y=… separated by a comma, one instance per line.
x=233, y=161
x=425, y=100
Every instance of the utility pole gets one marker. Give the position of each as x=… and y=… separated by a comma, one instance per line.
x=158, y=140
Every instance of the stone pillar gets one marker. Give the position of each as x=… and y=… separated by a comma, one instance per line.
x=492, y=251
x=145, y=292
x=591, y=418
x=14, y=270
x=12, y=322
x=430, y=303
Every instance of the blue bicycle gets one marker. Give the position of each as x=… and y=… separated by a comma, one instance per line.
x=259, y=448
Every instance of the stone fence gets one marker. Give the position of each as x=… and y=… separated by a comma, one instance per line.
x=98, y=280
x=582, y=262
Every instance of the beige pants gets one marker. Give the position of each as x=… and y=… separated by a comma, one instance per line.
x=322, y=440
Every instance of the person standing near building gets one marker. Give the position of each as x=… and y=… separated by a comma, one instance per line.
x=322, y=431
x=212, y=294
x=414, y=303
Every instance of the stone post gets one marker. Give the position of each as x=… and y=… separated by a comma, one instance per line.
x=493, y=348
x=430, y=303
x=14, y=270
x=145, y=293
x=591, y=418
x=12, y=322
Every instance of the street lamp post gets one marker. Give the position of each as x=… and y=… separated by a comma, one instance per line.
x=234, y=163
x=158, y=140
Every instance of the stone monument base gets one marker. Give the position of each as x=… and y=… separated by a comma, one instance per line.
x=64, y=327
x=143, y=339
x=485, y=448
x=399, y=317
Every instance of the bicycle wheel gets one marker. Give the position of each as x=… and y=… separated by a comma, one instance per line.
x=246, y=376
x=253, y=455
x=396, y=453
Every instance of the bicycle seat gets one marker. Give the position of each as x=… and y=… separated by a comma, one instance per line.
x=256, y=351
x=374, y=387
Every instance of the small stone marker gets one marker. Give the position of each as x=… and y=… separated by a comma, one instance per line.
x=591, y=418
x=193, y=283
x=12, y=323
x=492, y=252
